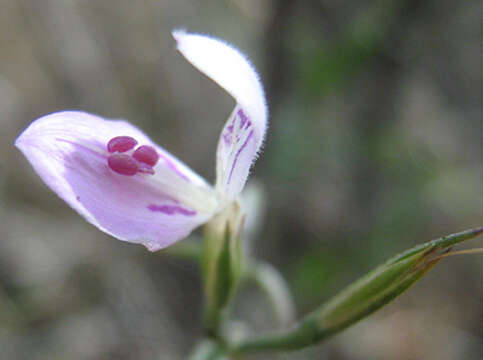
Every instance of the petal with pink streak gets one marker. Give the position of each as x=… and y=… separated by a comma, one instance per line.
x=68, y=151
x=245, y=129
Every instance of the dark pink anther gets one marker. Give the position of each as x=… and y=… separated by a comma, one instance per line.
x=123, y=164
x=146, y=154
x=121, y=144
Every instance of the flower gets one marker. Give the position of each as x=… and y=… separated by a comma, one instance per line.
x=119, y=180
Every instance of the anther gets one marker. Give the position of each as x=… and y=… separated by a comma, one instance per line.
x=123, y=164
x=147, y=155
x=121, y=144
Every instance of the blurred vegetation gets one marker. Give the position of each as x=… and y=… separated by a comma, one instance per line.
x=375, y=144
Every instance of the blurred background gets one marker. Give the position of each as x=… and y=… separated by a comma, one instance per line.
x=375, y=144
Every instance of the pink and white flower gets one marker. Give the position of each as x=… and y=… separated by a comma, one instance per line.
x=119, y=180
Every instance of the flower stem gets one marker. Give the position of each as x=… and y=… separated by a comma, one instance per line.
x=275, y=288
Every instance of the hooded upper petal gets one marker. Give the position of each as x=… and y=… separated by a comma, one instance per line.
x=68, y=151
x=244, y=132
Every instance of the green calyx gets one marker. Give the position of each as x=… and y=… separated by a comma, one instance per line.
x=221, y=263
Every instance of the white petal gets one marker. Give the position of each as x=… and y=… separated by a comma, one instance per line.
x=68, y=151
x=245, y=129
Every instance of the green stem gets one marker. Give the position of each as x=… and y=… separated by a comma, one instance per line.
x=262, y=274
x=212, y=321
x=308, y=333
x=331, y=318
x=359, y=299
x=275, y=288
x=295, y=338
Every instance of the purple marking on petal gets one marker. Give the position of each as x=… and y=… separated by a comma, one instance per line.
x=173, y=167
x=238, y=154
x=227, y=137
x=243, y=118
x=228, y=131
x=171, y=210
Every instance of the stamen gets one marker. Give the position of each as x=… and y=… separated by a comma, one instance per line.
x=121, y=144
x=141, y=161
x=146, y=154
x=123, y=164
